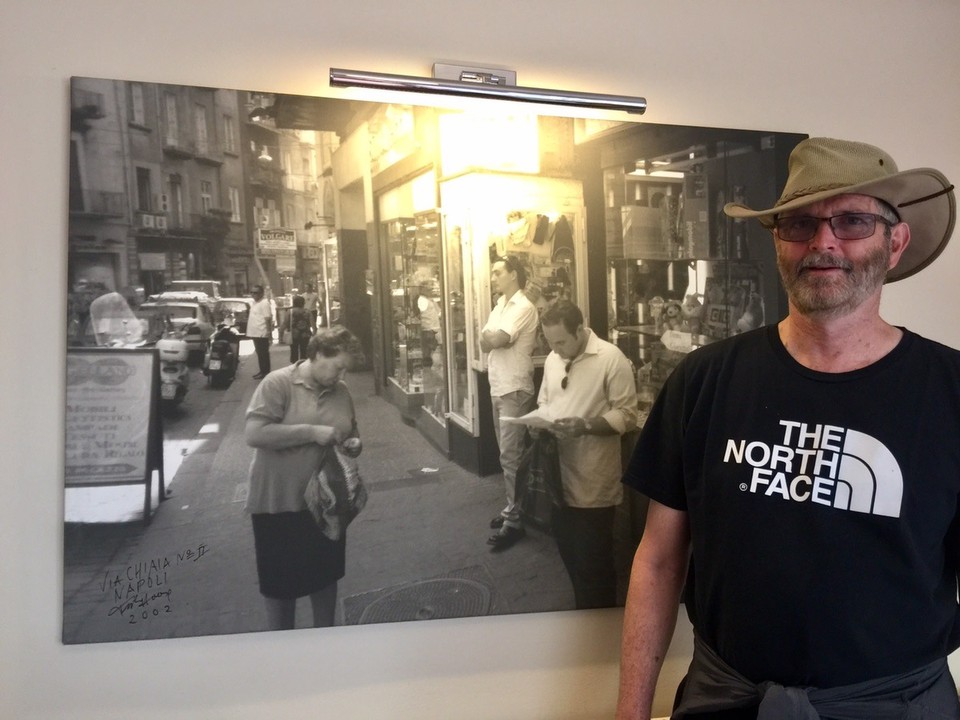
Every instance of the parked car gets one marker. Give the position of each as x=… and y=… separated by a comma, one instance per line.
x=184, y=295
x=209, y=287
x=194, y=318
x=238, y=307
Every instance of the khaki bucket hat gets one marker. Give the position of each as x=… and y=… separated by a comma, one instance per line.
x=821, y=168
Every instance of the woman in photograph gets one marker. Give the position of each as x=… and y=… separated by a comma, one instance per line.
x=296, y=416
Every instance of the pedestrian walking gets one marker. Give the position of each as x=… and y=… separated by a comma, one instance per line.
x=295, y=418
x=301, y=328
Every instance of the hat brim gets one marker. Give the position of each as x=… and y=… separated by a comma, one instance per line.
x=923, y=198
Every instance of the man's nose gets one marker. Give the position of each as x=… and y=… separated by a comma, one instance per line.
x=823, y=237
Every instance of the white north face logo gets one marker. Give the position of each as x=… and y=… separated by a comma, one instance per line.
x=825, y=464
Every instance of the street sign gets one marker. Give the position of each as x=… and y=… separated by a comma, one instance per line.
x=276, y=243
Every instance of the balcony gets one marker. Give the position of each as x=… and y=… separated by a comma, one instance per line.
x=168, y=225
x=87, y=101
x=214, y=224
x=267, y=177
x=98, y=203
x=150, y=222
x=84, y=107
x=209, y=153
x=178, y=148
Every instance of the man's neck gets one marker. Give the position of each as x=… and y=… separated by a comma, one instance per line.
x=838, y=344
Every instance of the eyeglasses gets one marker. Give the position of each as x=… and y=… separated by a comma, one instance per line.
x=848, y=226
x=566, y=378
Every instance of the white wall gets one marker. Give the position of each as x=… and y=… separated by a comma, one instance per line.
x=875, y=70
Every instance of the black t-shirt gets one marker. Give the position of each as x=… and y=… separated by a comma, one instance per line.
x=823, y=506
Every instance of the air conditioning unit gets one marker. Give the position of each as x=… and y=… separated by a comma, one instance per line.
x=147, y=221
x=161, y=222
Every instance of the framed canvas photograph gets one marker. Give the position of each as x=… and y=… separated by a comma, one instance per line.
x=231, y=252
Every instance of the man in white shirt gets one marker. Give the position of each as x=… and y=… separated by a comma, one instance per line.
x=509, y=337
x=590, y=392
x=311, y=302
x=260, y=329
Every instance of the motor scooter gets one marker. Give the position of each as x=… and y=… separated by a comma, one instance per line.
x=174, y=371
x=222, y=357
x=114, y=324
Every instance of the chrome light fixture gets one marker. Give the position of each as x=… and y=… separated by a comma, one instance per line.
x=489, y=83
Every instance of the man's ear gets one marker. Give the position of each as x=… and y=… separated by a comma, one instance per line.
x=899, y=240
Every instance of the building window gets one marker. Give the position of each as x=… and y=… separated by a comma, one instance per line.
x=200, y=119
x=229, y=134
x=137, y=114
x=266, y=214
x=234, y=204
x=176, y=199
x=173, y=124
x=144, y=190
x=206, y=196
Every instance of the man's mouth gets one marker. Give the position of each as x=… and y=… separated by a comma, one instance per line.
x=821, y=268
x=822, y=265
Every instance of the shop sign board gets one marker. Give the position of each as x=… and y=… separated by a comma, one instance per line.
x=113, y=434
x=277, y=243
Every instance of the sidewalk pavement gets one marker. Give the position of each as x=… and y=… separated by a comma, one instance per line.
x=417, y=551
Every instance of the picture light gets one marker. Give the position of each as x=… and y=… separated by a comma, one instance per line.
x=489, y=83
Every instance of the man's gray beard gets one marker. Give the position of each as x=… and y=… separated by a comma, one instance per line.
x=825, y=296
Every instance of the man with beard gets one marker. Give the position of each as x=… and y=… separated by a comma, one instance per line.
x=804, y=477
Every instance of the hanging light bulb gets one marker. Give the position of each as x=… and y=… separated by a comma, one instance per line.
x=264, y=155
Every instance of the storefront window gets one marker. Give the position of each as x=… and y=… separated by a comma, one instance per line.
x=425, y=293
x=680, y=273
x=416, y=309
x=537, y=220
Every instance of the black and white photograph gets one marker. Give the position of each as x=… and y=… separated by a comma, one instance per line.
x=484, y=347
x=338, y=362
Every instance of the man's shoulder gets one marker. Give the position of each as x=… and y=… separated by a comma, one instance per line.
x=728, y=351
x=734, y=343
x=925, y=355
x=603, y=348
x=932, y=346
x=519, y=299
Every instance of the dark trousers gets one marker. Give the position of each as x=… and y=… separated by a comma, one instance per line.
x=298, y=347
x=585, y=540
x=262, y=346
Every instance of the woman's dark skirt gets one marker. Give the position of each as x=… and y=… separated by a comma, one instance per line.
x=293, y=557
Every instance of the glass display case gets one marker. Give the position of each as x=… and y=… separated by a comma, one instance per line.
x=415, y=308
x=330, y=286
x=680, y=274
x=425, y=293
